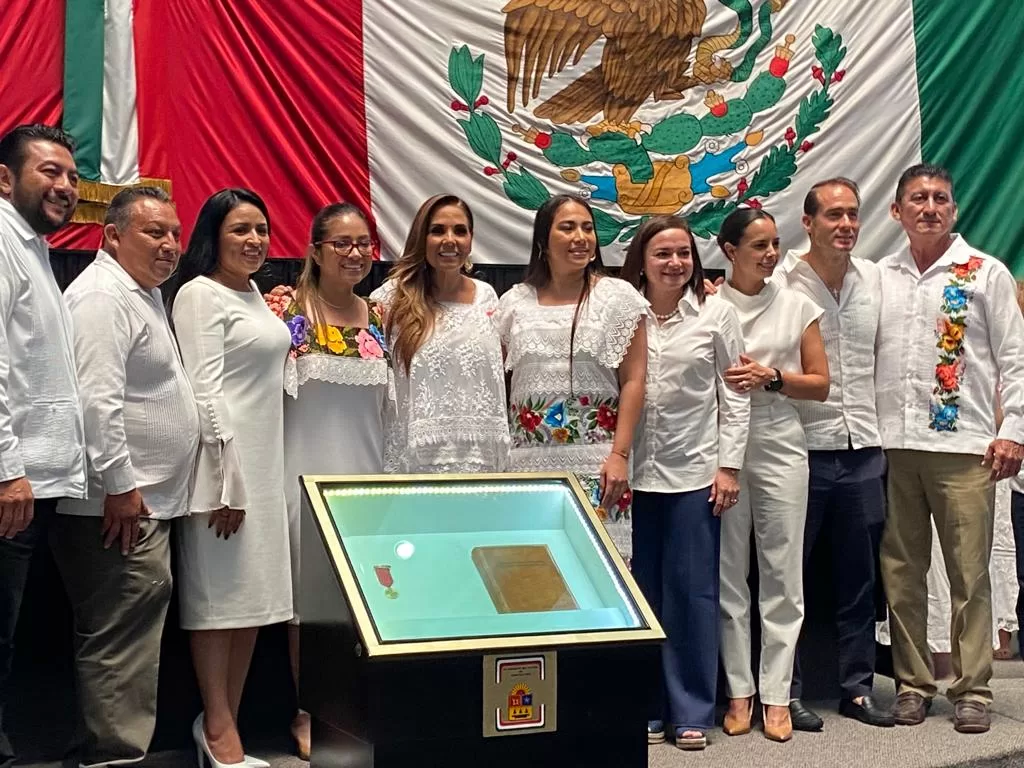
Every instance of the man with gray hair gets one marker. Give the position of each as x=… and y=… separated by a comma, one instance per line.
x=141, y=436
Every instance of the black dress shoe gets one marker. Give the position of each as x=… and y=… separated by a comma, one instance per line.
x=867, y=712
x=803, y=719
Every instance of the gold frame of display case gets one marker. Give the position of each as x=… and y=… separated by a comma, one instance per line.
x=374, y=647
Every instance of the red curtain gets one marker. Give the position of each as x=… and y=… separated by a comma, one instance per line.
x=263, y=95
x=233, y=93
x=32, y=81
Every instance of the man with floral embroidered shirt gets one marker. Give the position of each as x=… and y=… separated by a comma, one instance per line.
x=949, y=332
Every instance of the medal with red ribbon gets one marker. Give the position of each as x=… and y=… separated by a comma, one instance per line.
x=386, y=580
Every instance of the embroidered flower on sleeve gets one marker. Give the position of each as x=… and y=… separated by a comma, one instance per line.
x=529, y=420
x=560, y=435
x=297, y=326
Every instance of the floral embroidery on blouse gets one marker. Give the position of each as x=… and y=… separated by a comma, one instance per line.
x=585, y=420
x=621, y=510
x=949, y=332
x=364, y=343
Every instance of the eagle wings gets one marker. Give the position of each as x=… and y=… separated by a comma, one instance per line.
x=646, y=53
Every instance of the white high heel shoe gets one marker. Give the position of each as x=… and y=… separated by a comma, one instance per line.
x=202, y=748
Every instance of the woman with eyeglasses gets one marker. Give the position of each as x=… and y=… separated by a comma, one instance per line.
x=336, y=378
x=445, y=350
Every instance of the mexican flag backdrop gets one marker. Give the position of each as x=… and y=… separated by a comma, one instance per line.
x=644, y=106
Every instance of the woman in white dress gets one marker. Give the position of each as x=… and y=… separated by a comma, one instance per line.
x=233, y=558
x=336, y=378
x=784, y=361
x=577, y=349
x=445, y=350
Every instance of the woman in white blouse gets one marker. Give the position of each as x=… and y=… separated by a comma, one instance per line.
x=233, y=558
x=687, y=452
x=445, y=350
x=785, y=360
x=577, y=350
x=337, y=378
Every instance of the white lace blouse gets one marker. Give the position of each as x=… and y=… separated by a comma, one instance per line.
x=451, y=402
x=557, y=426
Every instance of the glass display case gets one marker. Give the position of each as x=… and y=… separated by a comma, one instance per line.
x=497, y=599
x=481, y=558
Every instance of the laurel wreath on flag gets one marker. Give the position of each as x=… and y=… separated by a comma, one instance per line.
x=674, y=135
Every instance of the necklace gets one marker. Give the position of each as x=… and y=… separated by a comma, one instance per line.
x=335, y=306
x=663, y=318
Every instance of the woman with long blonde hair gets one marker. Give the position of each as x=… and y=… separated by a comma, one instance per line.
x=446, y=352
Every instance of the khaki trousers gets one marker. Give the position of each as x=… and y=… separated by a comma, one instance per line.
x=119, y=605
x=954, y=489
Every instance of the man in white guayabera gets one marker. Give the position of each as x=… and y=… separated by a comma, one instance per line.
x=950, y=334
x=42, y=451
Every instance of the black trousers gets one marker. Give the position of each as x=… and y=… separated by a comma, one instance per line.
x=15, y=559
x=846, y=514
x=1017, y=517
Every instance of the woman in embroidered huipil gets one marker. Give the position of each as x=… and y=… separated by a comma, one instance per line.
x=336, y=377
x=577, y=349
x=445, y=350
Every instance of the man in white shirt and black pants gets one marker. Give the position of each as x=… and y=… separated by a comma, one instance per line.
x=846, y=497
x=950, y=334
x=42, y=453
x=142, y=434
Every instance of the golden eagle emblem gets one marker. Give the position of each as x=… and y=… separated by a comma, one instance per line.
x=646, y=54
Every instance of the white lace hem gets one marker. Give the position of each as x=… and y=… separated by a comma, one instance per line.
x=581, y=459
x=351, y=371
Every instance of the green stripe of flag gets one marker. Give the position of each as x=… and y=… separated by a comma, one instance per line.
x=83, y=82
x=970, y=76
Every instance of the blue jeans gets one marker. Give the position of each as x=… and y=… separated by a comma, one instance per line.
x=15, y=559
x=676, y=544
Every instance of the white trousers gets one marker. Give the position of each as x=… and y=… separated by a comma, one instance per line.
x=772, y=503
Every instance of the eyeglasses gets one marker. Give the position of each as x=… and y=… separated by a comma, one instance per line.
x=344, y=247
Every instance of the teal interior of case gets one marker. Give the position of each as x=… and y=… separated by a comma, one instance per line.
x=410, y=547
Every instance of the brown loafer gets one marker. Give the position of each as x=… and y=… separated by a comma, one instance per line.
x=971, y=716
x=910, y=708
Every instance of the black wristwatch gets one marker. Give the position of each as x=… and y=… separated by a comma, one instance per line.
x=776, y=383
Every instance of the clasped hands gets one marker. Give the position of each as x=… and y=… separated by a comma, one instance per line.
x=747, y=376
